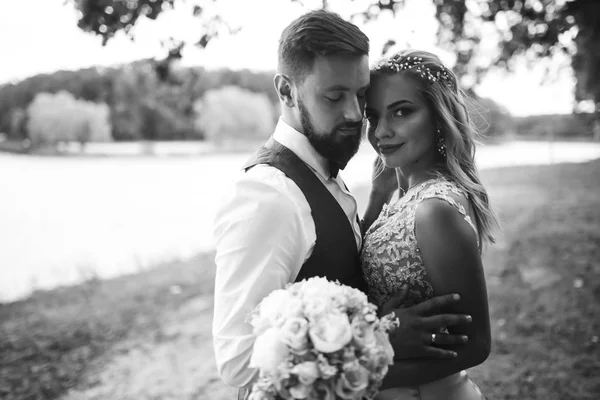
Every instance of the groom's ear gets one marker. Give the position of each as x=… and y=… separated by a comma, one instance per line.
x=283, y=86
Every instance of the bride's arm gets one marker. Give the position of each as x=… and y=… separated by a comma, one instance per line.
x=453, y=263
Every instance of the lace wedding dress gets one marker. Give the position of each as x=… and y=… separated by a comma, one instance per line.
x=391, y=257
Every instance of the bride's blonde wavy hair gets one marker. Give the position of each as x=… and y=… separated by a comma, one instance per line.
x=438, y=86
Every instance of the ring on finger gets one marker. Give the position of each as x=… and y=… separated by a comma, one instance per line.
x=433, y=338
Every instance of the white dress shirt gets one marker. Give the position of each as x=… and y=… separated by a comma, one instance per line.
x=263, y=233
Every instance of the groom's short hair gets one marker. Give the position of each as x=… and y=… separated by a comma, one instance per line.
x=317, y=33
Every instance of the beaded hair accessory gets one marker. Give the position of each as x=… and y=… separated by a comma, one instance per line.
x=399, y=63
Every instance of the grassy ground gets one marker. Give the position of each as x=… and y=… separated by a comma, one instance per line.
x=544, y=284
x=50, y=341
x=147, y=336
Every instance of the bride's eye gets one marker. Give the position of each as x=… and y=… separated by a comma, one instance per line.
x=404, y=111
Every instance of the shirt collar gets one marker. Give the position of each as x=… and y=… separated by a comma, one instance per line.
x=301, y=146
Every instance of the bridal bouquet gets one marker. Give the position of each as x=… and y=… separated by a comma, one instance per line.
x=318, y=339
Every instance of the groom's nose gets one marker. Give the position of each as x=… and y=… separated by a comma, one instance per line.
x=353, y=109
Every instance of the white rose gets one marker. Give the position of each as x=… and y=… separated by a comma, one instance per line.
x=259, y=395
x=318, y=286
x=382, y=340
x=363, y=333
x=354, y=298
x=316, y=306
x=331, y=332
x=294, y=333
x=274, y=309
x=308, y=372
x=300, y=391
x=260, y=324
x=295, y=307
x=352, y=384
x=323, y=391
x=269, y=351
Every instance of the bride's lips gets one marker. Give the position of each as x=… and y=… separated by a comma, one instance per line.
x=389, y=149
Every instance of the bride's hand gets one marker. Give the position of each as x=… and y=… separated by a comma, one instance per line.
x=384, y=183
x=384, y=179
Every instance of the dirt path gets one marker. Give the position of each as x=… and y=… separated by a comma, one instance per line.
x=175, y=362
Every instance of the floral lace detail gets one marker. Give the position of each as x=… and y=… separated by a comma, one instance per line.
x=390, y=255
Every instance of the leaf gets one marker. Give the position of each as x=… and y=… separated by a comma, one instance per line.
x=203, y=40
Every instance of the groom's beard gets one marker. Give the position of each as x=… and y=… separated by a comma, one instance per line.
x=335, y=146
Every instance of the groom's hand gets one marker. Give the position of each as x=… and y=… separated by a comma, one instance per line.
x=413, y=338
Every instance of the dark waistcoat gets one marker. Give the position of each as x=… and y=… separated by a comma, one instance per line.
x=335, y=255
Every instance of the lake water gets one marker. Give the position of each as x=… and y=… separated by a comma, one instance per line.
x=63, y=219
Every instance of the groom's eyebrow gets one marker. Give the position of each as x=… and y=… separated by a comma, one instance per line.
x=336, y=87
x=343, y=88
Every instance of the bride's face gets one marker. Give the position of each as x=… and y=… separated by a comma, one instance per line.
x=401, y=126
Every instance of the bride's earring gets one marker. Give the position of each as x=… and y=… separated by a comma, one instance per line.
x=441, y=143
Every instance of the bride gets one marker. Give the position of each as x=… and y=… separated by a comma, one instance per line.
x=429, y=238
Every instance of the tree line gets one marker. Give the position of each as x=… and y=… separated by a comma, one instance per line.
x=132, y=102
x=141, y=105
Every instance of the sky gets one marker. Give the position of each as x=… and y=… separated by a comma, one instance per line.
x=41, y=36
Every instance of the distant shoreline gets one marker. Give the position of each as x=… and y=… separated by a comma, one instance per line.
x=203, y=148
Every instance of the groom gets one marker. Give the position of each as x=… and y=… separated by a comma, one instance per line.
x=289, y=215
